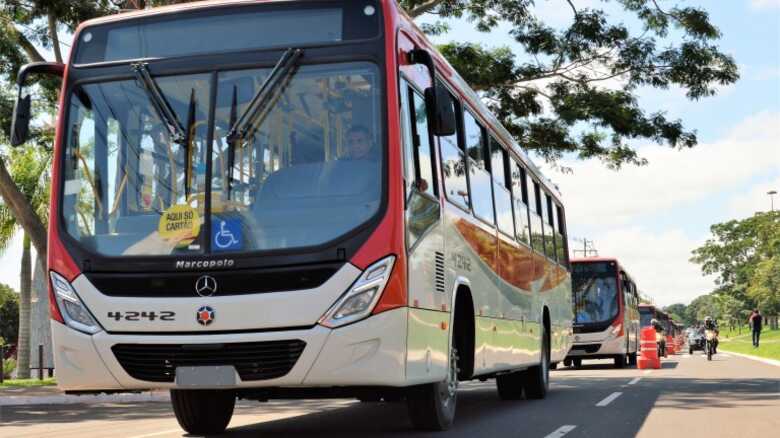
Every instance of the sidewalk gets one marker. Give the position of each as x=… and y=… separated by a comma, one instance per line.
x=51, y=395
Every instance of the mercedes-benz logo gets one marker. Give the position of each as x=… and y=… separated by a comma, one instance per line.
x=206, y=286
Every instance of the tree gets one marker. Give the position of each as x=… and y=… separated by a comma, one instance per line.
x=701, y=307
x=736, y=249
x=566, y=70
x=764, y=286
x=9, y=314
x=29, y=172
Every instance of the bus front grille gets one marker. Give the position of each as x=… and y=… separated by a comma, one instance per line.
x=252, y=360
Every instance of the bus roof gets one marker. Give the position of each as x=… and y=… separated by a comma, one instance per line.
x=594, y=259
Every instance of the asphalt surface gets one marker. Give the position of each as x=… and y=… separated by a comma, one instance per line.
x=688, y=397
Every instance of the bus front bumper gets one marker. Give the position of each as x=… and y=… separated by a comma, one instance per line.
x=597, y=347
x=371, y=352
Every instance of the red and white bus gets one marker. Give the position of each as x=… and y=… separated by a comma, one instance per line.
x=606, y=313
x=271, y=200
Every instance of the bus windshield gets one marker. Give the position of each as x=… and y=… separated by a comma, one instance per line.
x=594, y=285
x=307, y=171
x=645, y=316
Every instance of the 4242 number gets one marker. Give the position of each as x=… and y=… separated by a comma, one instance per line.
x=139, y=316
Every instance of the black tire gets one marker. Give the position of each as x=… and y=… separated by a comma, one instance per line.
x=203, y=412
x=690, y=350
x=576, y=363
x=567, y=362
x=620, y=361
x=554, y=366
x=432, y=406
x=510, y=386
x=632, y=359
x=536, y=380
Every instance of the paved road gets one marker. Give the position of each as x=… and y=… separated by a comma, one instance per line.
x=728, y=397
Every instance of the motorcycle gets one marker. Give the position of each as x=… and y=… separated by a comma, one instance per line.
x=712, y=342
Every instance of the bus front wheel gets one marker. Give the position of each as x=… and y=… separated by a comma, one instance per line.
x=432, y=406
x=537, y=378
x=203, y=412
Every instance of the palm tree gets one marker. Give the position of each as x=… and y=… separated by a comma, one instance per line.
x=29, y=168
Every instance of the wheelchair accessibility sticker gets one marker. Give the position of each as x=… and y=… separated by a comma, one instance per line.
x=227, y=235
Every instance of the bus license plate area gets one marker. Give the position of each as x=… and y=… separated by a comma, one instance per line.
x=206, y=377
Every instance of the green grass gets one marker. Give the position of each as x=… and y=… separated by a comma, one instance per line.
x=769, y=347
x=16, y=383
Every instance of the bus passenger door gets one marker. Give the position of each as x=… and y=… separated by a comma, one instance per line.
x=427, y=341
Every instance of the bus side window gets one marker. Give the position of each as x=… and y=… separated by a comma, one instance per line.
x=453, y=167
x=502, y=195
x=422, y=146
x=537, y=230
x=549, y=232
x=410, y=174
x=561, y=243
x=479, y=176
x=520, y=203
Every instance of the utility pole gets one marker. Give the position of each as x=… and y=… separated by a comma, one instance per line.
x=772, y=194
x=588, y=247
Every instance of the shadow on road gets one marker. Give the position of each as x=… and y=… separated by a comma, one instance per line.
x=481, y=413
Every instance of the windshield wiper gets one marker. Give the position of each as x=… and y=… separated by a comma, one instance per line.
x=161, y=106
x=281, y=71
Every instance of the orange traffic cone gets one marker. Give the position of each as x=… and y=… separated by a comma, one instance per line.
x=648, y=357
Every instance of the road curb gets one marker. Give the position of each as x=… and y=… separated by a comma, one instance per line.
x=63, y=399
x=756, y=358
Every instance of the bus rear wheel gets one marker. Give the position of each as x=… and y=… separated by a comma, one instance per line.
x=620, y=361
x=432, y=406
x=203, y=412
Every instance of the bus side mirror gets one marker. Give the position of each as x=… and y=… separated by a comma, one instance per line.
x=441, y=111
x=20, y=122
x=20, y=125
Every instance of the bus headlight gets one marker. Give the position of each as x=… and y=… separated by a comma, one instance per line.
x=74, y=312
x=358, y=302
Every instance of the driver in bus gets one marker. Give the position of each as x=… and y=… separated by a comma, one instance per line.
x=360, y=146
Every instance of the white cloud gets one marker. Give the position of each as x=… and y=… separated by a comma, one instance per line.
x=599, y=197
x=658, y=262
x=764, y=4
x=756, y=198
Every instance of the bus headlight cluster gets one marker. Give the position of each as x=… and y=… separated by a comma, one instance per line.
x=358, y=302
x=73, y=310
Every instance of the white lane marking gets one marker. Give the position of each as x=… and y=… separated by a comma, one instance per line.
x=686, y=357
x=164, y=432
x=646, y=372
x=610, y=398
x=634, y=380
x=561, y=431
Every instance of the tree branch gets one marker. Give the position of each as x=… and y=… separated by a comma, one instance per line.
x=27, y=46
x=55, y=40
x=424, y=7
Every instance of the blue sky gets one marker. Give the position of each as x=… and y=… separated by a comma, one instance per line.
x=652, y=217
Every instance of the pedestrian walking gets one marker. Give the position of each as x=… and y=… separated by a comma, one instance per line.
x=756, y=322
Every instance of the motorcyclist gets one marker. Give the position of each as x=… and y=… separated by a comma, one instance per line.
x=660, y=337
x=709, y=324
